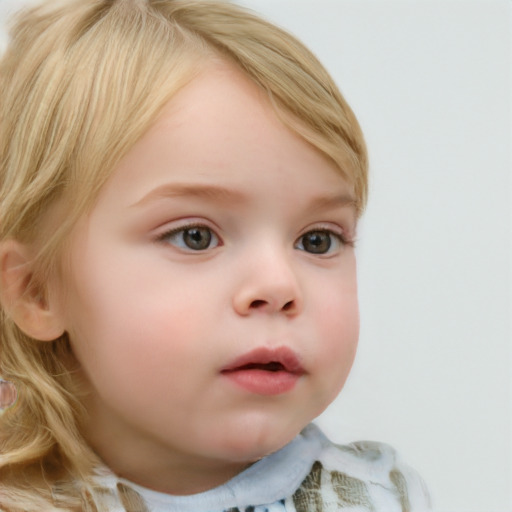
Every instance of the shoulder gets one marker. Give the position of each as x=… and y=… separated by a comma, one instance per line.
x=366, y=475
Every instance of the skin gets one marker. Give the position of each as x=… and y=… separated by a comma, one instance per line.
x=153, y=322
x=7, y=394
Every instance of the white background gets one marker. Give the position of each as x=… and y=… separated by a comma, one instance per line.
x=431, y=84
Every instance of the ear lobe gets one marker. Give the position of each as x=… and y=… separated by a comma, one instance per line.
x=22, y=299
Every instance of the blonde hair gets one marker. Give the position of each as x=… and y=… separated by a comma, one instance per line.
x=80, y=82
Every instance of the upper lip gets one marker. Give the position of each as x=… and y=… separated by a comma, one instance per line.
x=274, y=359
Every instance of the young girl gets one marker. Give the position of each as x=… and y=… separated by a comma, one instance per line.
x=180, y=188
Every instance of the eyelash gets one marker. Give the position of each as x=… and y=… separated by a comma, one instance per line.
x=341, y=238
x=164, y=237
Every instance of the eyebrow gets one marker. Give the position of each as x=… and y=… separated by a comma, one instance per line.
x=333, y=201
x=217, y=193
x=209, y=192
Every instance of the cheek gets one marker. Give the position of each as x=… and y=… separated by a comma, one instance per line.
x=123, y=322
x=139, y=360
x=338, y=328
x=341, y=333
x=337, y=303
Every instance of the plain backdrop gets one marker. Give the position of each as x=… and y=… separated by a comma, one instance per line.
x=430, y=82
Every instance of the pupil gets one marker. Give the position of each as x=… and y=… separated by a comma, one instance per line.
x=317, y=242
x=197, y=238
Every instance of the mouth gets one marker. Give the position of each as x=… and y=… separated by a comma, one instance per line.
x=273, y=366
x=281, y=359
x=265, y=371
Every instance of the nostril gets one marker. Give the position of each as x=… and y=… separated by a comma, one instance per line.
x=288, y=306
x=257, y=304
x=265, y=305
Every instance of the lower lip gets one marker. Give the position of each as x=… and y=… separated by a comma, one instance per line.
x=263, y=382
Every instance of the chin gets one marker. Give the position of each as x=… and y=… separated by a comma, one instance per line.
x=252, y=443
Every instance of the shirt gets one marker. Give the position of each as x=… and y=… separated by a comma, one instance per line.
x=310, y=474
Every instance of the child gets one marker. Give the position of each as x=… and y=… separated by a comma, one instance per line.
x=180, y=188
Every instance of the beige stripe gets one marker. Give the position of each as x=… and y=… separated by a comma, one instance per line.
x=130, y=499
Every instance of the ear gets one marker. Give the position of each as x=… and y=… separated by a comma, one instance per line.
x=22, y=299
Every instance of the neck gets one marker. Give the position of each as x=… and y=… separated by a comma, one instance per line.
x=176, y=479
x=167, y=470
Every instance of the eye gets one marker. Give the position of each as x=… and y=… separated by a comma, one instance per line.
x=192, y=238
x=319, y=241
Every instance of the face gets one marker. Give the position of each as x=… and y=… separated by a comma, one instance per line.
x=210, y=295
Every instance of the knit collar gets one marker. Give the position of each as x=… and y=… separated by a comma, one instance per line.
x=271, y=479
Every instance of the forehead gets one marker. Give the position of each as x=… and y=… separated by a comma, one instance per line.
x=219, y=122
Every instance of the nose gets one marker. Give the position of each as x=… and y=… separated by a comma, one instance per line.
x=269, y=285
